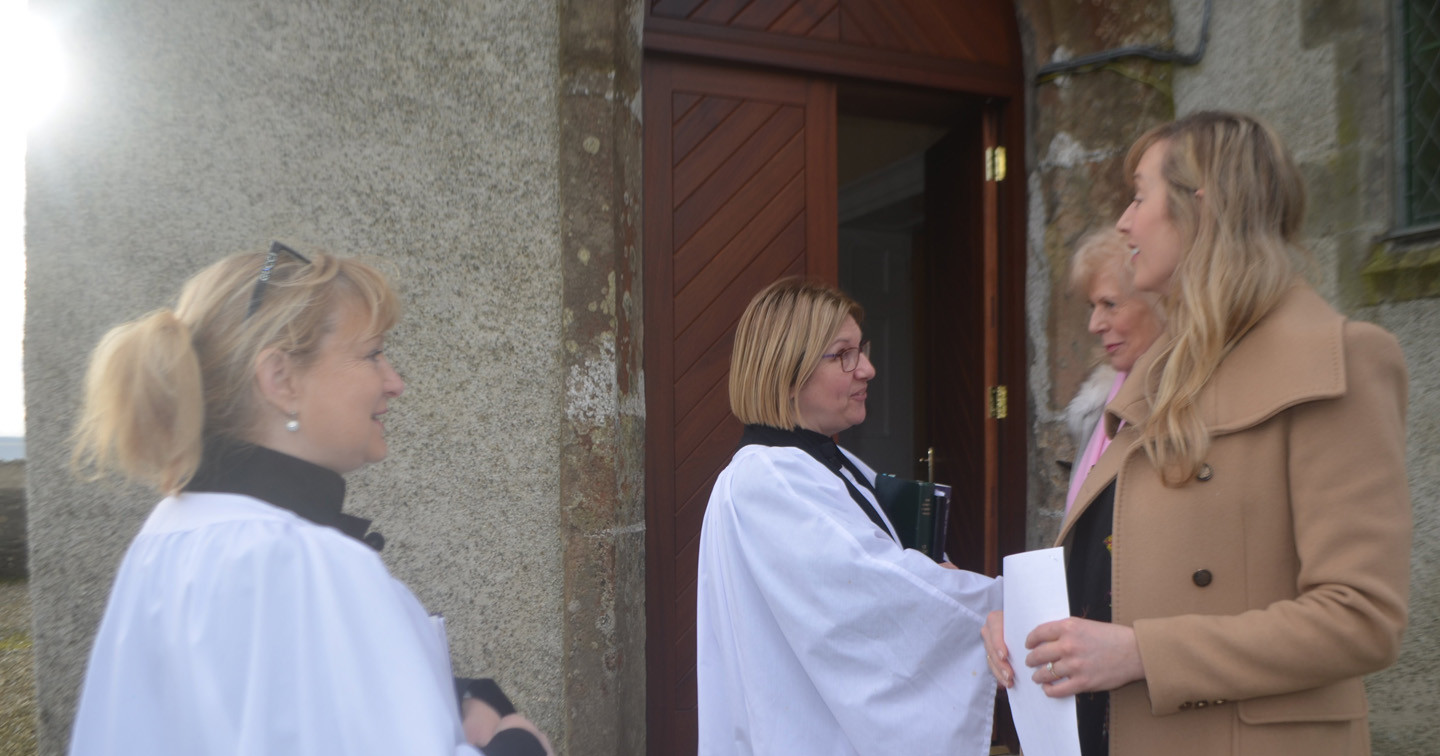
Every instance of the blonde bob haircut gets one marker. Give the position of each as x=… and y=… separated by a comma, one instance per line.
x=778, y=344
x=158, y=387
x=1237, y=200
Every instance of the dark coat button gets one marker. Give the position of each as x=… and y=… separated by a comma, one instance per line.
x=1202, y=578
x=1206, y=472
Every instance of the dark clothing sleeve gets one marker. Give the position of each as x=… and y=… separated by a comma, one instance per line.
x=514, y=742
x=511, y=742
x=1089, y=586
x=483, y=689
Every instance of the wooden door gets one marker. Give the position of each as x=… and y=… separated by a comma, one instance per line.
x=954, y=347
x=739, y=191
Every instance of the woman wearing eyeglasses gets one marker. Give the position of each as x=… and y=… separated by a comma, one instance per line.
x=251, y=615
x=817, y=633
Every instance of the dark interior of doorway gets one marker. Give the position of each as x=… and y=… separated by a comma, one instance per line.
x=908, y=169
x=881, y=170
x=886, y=239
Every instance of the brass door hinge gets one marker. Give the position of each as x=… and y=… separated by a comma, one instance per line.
x=999, y=402
x=994, y=163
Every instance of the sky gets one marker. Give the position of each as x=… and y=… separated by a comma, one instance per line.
x=31, y=88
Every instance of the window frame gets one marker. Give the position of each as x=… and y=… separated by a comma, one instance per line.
x=1405, y=227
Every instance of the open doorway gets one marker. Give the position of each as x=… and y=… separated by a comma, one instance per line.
x=742, y=187
x=881, y=172
x=910, y=250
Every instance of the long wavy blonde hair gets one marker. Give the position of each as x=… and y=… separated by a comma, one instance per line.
x=1237, y=200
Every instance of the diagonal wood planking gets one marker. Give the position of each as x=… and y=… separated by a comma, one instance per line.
x=734, y=215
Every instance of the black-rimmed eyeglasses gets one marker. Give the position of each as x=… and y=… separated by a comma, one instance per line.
x=850, y=358
x=275, y=249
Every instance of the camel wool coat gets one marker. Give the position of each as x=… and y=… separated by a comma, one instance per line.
x=1262, y=590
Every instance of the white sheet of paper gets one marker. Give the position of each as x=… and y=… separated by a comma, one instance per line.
x=1034, y=589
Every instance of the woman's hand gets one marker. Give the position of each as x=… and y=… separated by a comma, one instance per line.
x=996, y=655
x=480, y=721
x=1076, y=655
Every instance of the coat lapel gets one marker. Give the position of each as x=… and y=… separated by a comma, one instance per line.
x=1294, y=354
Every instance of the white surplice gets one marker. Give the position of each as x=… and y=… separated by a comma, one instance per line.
x=818, y=634
x=237, y=627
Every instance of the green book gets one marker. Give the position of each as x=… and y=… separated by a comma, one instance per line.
x=920, y=512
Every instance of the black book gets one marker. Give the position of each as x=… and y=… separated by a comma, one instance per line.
x=920, y=512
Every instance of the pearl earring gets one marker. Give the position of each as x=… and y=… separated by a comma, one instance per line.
x=293, y=424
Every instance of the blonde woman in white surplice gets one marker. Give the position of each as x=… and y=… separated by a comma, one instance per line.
x=817, y=633
x=251, y=615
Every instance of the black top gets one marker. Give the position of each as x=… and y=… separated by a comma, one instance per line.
x=1089, y=586
x=826, y=452
x=309, y=490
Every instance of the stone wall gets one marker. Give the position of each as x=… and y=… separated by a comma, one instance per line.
x=1080, y=127
x=486, y=155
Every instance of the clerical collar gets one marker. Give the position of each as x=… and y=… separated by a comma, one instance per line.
x=825, y=451
x=309, y=490
x=819, y=445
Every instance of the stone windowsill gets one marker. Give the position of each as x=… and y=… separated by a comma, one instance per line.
x=1403, y=268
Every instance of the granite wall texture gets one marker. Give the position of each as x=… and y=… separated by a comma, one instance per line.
x=435, y=138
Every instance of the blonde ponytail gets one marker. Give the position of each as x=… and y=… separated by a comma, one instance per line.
x=144, y=407
x=158, y=388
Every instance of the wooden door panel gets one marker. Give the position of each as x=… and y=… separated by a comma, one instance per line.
x=818, y=19
x=692, y=510
x=748, y=220
x=978, y=31
x=719, y=11
x=704, y=379
x=686, y=566
x=675, y=8
x=739, y=191
x=761, y=16
x=695, y=118
x=956, y=343
x=720, y=143
x=733, y=275
x=875, y=25
x=693, y=474
x=919, y=27
x=777, y=140
x=697, y=425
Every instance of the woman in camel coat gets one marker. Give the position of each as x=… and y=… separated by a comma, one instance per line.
x=1239, y=556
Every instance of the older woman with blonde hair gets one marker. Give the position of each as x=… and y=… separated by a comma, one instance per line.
x=251, y=615
x=1126, y=321
x=817, y=633
x=1239, y=557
